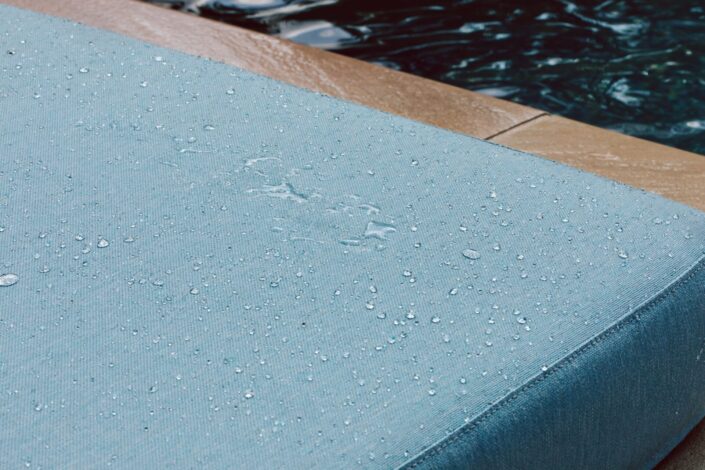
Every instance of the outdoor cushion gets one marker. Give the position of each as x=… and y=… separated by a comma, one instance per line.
x=202, y=267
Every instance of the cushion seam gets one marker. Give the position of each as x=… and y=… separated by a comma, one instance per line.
x=635, y=315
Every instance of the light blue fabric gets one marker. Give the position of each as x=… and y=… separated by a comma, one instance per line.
x=622, y=401
x=214, y=269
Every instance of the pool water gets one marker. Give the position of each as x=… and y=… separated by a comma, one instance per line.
x=637, y=66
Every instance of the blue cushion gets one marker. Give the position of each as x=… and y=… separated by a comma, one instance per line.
x=202, y=267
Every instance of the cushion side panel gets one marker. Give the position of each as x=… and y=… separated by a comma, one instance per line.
x=615, y=403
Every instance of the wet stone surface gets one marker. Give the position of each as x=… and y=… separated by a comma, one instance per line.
x=633, y=66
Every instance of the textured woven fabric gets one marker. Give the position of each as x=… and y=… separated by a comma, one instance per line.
x=201, y=267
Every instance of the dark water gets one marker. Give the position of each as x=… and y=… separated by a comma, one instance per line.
x=634, y=66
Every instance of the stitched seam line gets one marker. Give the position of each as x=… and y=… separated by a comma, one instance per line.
x=635, y=315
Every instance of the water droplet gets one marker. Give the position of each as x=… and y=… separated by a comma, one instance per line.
x=432, y=392
x=463, y=380
x=369, y=306
x=208, y=127
x=623, y=254
x=453, y=291
x=379, y=230
x=435, y=319
x=84, y=70
x=103, y=243
x=194, y=291
x=249, y=394
x=230, y=91
x=7, y=280
x=373, y=289
x=471, y=254
x=406, y=273
x=497, y=247
x=158, y=58
x=520, y=257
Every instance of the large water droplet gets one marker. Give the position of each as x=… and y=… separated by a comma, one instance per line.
x=471, y=254
x=103, y=243
x=7, y=280
x=379, y=230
